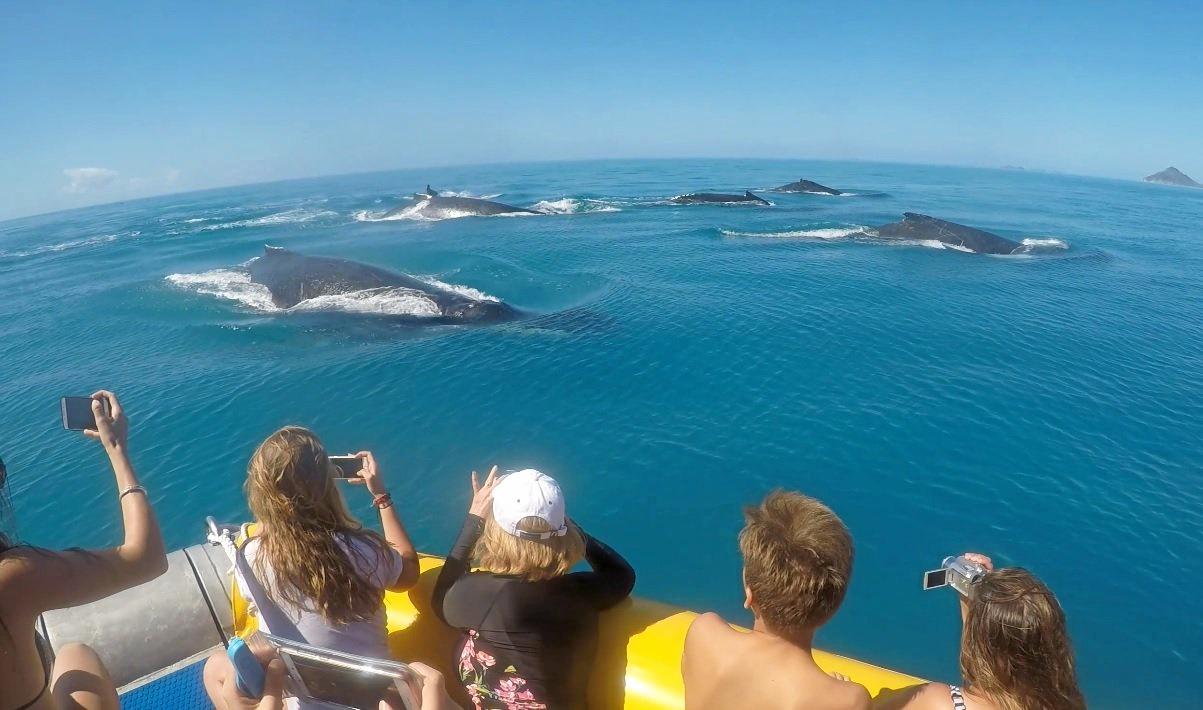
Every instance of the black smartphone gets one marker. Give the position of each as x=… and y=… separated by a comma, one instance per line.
x=77, y=413
x=347, y=466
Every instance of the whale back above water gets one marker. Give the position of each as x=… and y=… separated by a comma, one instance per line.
x=922, y=227
x=432, y=205
x=718, y=198
x=476, y=205
x=807, y=186
x=291, y=278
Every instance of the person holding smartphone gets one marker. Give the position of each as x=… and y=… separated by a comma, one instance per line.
x=319, y=565
x=34, y=580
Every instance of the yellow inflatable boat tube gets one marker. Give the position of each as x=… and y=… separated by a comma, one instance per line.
x=638, y=663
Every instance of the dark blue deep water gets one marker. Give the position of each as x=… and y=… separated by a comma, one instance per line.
x=677, y=363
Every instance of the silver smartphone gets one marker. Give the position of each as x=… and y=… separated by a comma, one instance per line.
x=346, y=680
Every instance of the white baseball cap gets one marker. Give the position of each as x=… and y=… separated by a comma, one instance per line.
x=525, y=494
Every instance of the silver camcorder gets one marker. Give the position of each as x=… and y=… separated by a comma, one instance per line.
x=956, y=572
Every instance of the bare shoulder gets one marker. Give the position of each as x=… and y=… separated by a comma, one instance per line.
x=706, y=642
x=706, y=629
x=708, y=622
x=20, y=572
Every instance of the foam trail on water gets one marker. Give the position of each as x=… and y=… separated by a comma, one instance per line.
x=413, y=212
x=66, y=246
x=293, y=216
x=468, y=291
x=572, y=205
x=465, y=193
x=1046, y=243
x=823, y=233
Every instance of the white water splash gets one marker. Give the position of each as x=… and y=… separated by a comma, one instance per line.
x=824, y=233
x=236, y=286
x=572, y=205
x=421, y=211
x=1044, y=244
x=229, y=285
x=465, y=193
x=467, y=291
x=377, y=301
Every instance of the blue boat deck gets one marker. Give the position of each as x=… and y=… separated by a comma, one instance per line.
x=183, y=689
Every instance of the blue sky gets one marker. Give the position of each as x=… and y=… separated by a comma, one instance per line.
x=107, y=101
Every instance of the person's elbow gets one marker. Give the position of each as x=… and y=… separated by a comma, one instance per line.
x=148, y=560
x=146, y=565
x=154, y=564
x=627, y=586
x=411, y=570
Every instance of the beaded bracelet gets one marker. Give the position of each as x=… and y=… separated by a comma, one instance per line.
x=382, y=501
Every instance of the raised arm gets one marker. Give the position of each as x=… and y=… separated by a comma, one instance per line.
x=612, y=578
x=56, y=580
x=984, y=562
x=394, y=530
x=460, y=557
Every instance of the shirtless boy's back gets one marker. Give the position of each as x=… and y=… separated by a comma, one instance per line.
x=797, y=561
x=735, y=670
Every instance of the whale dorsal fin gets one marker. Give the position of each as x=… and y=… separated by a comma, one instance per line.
x=748, y=193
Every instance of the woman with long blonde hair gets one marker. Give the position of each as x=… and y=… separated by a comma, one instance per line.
x=319, y=564
x=528, y=625
x=1015, y=649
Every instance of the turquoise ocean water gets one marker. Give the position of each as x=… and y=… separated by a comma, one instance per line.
x=677, y=363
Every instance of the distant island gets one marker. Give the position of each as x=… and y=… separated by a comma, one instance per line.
x=1172, y=176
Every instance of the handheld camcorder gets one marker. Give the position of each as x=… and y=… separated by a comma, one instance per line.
x=957, y=572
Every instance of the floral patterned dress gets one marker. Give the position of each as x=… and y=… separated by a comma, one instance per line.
x=492, y=687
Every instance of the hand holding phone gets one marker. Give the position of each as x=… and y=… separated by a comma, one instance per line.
x=77, y=413
x=99, y=417
x=370, y=476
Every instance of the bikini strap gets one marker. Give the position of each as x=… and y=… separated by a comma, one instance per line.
x=958, y=698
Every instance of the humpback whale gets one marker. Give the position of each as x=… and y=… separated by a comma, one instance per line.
x=920, y=226
x=432, y=205
x=292, y=278
x=807, y=186
x=718, y=198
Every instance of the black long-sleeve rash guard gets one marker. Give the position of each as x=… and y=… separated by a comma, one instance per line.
x=527, y=643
